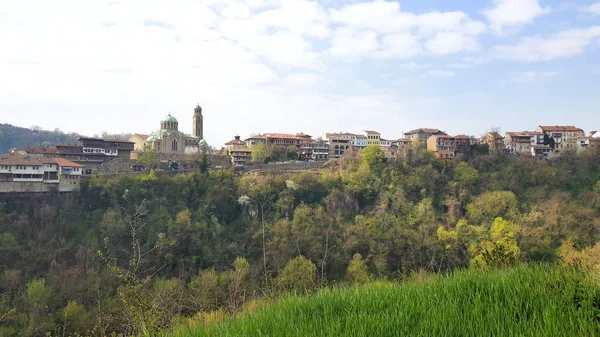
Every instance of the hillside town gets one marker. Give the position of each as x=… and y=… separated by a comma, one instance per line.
x=60, y=167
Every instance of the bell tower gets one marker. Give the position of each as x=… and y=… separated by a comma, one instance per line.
x=198, y=123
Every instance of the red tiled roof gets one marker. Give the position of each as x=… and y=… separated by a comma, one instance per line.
x=143, y=137
x=465, y=137
x=560, y=128
x=279, y=135
x=524, y=133
x=12, y=155
x=257, y=137
x=38, y=149
x=38, y=162
x=64, y=162
x=425, y=130
x=235, y=142
x=372, y=132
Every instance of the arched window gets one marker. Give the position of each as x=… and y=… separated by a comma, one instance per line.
x=174, y=145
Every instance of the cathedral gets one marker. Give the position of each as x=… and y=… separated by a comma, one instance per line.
x=169, y=140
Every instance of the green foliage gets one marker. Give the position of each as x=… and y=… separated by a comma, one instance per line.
x=490, y=205
x=465, y=174
x=173, y=242
x=38, y=294
x=14, y=136
x=299, y=275
x=75, y=318
x=372, y=159
x=205, y=290
x=261, y=152
x=148, y=158
x=357, y=271
x=525, y=301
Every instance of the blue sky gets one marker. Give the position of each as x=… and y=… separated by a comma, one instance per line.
x=300, y=66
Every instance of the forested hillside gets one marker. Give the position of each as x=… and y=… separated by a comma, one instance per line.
x=142, y=254
x=14, y=136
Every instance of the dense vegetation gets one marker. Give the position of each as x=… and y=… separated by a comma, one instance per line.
x=516, y=302
x=18, y=137
x=14, y=136
x=142, y=254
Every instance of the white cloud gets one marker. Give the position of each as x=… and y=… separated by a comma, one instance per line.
x=302, y=79
x=439, y=73
x=448, y=43
x=564, y=44
x=507, y=13
x=593, y=9
x=379, y=16
x=401, y=45
x=254, y=62
x=403, y=34
x=530, y=76
x=350, y=43
x=238, y=11
x=387, y=17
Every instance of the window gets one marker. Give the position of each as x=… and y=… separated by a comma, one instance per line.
x=174, y=145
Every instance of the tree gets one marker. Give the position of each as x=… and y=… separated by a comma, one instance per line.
x=490, y=205
x=260, y=153
x=237, y=284
x=549, y=140
x=372, y=159
x=38, y=295
x=292, y=151
x=357, y=271
x=148, y=158
x=205, y=290
x=502, y=249
x=465, y=175
x=298, y=275
x=75, y=318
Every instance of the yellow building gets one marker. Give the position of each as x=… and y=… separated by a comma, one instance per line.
x=373, y=138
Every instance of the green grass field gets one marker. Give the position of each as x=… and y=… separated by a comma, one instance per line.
x=525, y=301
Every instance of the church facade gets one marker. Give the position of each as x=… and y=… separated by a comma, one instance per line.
x=169, y=140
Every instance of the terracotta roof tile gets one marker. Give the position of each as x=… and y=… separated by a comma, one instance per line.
x=64, y=162
x=560, y=128
x=425, y=130
x=143, y=137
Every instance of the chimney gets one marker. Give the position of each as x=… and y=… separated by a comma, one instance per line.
x=237, y=137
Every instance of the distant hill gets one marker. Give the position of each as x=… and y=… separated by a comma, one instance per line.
x=14, y=136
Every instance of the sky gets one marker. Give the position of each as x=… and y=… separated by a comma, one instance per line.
x=287, y=66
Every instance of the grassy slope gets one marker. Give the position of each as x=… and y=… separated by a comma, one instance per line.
x=526, y=301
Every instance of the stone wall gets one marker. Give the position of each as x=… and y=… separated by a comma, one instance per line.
x=115, y=166
x=284, y=167
x=27, y=187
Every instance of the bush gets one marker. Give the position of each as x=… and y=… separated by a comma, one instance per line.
x=298, y=275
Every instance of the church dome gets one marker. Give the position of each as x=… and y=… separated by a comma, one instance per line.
x=170, y=119
x=202, y=143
